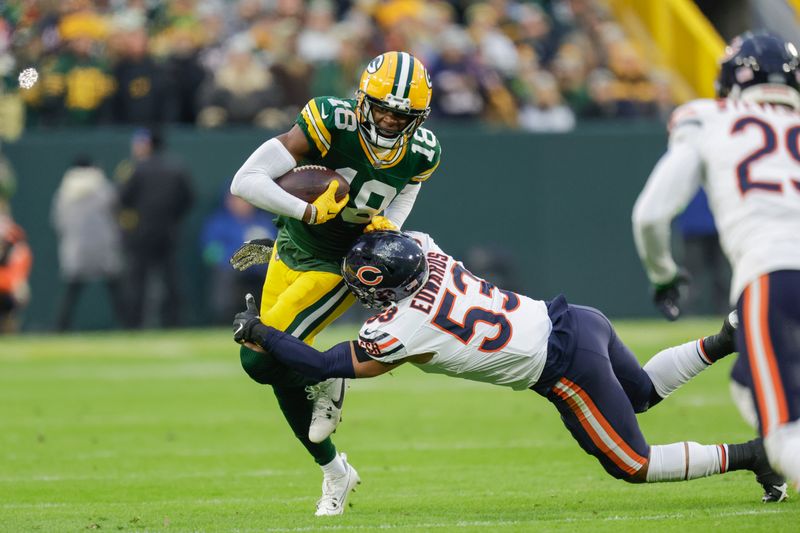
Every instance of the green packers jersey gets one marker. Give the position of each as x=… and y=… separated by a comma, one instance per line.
x=331, y=127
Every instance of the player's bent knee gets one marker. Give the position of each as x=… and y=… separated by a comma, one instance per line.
x=257, y=366
x=640, y=476
x=628, y=475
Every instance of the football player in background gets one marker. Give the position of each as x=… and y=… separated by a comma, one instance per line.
x=743, y=149
x=375, y=141
x=443, y=319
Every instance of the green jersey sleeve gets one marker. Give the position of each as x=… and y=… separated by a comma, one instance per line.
x=321, y=118
x=425, y=144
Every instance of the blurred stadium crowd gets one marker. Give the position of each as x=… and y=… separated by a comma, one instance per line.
x=536, y=65
x=539, y=65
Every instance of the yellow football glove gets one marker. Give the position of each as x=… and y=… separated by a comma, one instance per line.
x=326, y=207
x=379, y=223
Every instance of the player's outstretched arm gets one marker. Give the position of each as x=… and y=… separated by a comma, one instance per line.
x=255, y=180
x=345, y=360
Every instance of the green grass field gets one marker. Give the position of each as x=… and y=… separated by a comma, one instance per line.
x=164, y=432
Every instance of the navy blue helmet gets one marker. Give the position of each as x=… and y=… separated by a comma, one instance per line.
x=383, y=267
x=757, y=58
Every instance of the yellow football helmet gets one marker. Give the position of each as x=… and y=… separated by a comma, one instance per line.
x=397, y=82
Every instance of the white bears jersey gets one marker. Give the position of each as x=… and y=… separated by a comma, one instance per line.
x=475, y=330
x=747, y=158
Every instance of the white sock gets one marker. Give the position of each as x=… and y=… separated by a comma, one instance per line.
x=686, y=460
x=671, y=368
x=783, y=449
x=335, y=468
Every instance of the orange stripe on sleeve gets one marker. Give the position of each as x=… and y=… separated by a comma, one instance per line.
x=387, y=343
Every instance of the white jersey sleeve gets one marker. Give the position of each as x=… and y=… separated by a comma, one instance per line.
x=425, y=241
x=378, y=338
x=402, y=204
x=671, y=186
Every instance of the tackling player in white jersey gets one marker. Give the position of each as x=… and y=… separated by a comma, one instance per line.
x=443, y=319
x=744, y=150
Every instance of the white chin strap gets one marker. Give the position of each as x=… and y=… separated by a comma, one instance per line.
x=769, y=93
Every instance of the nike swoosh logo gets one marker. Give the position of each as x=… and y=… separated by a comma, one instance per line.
x=338, y=403
x=322, y=112
x=241, y=327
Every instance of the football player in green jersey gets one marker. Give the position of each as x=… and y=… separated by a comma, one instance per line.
x=377, y=143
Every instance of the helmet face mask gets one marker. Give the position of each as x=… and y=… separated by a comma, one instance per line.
x=383, y=268
x=394, y=82
x=760, y=63
x=383, y=137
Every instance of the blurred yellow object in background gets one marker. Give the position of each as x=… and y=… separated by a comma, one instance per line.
x=676, y=36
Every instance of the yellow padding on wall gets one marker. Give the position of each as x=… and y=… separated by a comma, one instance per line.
x=685, y=41
x=796, y=6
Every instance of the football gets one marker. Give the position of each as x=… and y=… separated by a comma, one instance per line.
x=309, y=181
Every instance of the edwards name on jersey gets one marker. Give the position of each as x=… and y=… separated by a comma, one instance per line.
x=474, y=329
x=331, y=127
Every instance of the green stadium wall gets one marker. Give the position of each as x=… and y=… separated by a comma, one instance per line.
x=560, y=203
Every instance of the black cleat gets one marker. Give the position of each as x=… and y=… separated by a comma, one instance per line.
x=723, y=343
x=774, y=485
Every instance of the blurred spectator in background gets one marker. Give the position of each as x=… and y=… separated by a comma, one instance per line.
x=317, y=41
x=143, y=91
x=321, y=43
x=242, y=91
x=15, y=267
x=704, y=260
x=292, y=73
x=634, y=91
x=12, y=106
x=603, y=102
x=545, y=111
x=533, y=29
x=340, y=76
x=84, y=215
x=493, y=46
x=186, y=73
x=155, y=200
x=76, y=82
x=456, y=76
x=570, y=67
x=233, y=223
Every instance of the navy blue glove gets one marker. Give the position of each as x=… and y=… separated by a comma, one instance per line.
x=667, y=297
